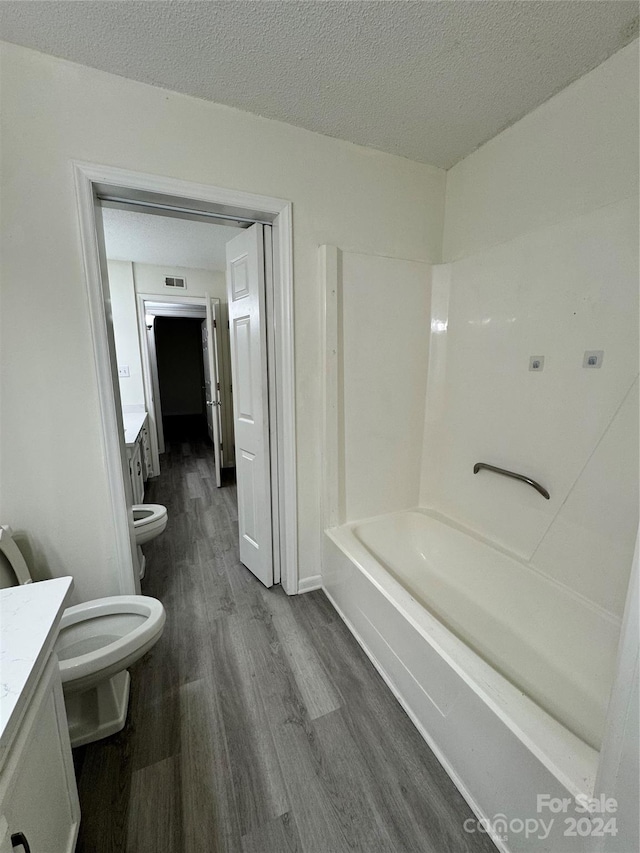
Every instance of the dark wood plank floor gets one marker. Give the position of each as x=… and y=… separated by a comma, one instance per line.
x=256, y=724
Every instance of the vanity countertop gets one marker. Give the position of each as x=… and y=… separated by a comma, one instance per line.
x=29, y=618
x=133, y=423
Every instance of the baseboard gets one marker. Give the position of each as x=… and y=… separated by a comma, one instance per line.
x=309, y=584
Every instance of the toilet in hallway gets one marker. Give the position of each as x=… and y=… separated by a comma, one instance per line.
x=149, y=521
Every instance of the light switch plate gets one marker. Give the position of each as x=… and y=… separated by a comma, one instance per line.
x=593, y=358
x=536, y=363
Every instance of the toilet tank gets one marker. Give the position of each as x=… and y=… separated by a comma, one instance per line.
x=13, y=569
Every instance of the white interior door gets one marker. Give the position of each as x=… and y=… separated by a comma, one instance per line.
x=248, y=338
x=155, y=411
x=217, y=362
x=210, y=391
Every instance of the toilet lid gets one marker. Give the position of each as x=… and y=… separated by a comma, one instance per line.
x=11, y=551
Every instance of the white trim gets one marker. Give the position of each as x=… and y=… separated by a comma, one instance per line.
x=115, y=177
x=285, y=371
x=213, y=380
x=113, y=449
x=149, y=381
x=333, y=485
x=310, y=583
x=88, y=174
x=155, y=390
x=274, y=437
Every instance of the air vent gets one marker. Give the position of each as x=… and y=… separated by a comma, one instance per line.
x=175, y=283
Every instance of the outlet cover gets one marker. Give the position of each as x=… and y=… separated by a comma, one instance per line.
x=123, y=371
x=536, y=363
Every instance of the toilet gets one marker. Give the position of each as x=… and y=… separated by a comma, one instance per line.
x=98, y=641
x=149, y=520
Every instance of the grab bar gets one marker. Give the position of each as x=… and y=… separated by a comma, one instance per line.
x=479, y=465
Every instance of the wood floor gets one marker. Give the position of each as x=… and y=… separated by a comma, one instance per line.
x=256, y=724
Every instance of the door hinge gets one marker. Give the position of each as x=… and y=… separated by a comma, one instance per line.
x=218, y=385
x=215, y=324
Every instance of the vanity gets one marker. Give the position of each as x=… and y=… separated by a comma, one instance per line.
x=39, y=808
x=136, y=440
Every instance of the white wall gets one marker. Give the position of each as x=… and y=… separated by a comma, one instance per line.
x=54, y=481
x=542, y=234
x=125, y=331
x=575, y=153
x=149, y=278
x=385, y=315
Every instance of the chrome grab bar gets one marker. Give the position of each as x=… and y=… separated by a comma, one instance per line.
x=479, y=465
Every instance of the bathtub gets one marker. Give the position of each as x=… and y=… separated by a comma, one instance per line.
x=506, y=673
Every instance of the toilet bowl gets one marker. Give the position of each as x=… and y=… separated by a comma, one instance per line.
x=98, y=640
x=149, y=520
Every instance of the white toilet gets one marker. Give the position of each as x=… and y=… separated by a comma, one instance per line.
x=98, y=640
x=149, y=520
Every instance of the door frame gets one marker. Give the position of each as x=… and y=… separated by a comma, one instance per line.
x=89, y=179
x=177, y=306
x=149, y=368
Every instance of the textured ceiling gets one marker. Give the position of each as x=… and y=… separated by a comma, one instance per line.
x=427, y=80
x=162, y=240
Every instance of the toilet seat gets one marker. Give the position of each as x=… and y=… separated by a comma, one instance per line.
x=103, y=637
x=149, y=520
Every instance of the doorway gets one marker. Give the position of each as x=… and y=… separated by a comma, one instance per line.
x=97, y=185
x=181, y=376
x=205, y=406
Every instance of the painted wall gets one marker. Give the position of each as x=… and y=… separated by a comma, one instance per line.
x=53, y=112
x=149, y=278
x=575, y=153
x=542, y=234
x=125, y=331
x=385, y=310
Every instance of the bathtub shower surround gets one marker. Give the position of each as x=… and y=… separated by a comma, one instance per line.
x=557, y=291
x=500, y=618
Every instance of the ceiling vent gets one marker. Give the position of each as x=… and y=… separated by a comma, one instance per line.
x=175, y=283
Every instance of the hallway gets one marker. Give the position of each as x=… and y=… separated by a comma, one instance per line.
x=256, y=724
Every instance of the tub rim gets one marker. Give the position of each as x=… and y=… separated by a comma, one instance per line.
x=573, y=762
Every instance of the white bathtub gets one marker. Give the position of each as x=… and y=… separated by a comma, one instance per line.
x=506, y=673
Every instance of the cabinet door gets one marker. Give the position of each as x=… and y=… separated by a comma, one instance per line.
x=147, y=464
x=38, y=795
x=135, y=470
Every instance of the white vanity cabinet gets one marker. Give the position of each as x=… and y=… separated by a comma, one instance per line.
x=138, y=452
x=38, y=795
x=135, y=472
x=145, y=448
x=39, y=808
